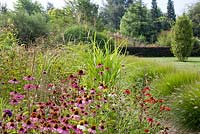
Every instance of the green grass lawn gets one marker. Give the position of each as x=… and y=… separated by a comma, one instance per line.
x=192, y=63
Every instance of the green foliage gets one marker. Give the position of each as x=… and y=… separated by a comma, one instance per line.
x=164, y=23
x=30, y=27
x=7, y=32
x=59, y=19
x=103, y=65
x=164, y=38
x=84, y=34
x=187, y=107
x=173, y=81
x=182, y=38
x=135, y=21
x=113, y=12
x=154, y=10
x=196, y=45
x=85, y=11
x=7, y=37
x=194, y=15
x=156, y=25
x=170, y=10
x=28, y=6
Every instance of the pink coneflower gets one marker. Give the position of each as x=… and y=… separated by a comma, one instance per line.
x=100, y=73
x=29, y=86
x=102, y=87
x=63, y=130
x=101, y=127
x=44, y=72
x=107, y=68
x=28, y=124
x=76, y=117
x=72, y=77
x=13, y=81
x=92, y=91
x=10, y=125
x=80, y=72
x=22, y=131
x=19, y=97
x=29, y=78
x=99, y=65
x=74, y=85
x=14, y=102
x=92, y=130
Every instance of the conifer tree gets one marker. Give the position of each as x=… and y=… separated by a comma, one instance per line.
x=170, y=10
x=182, y=38
x=154, y=10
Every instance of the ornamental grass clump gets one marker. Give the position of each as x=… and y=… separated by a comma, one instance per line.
x=187, y=107
x=103, y=65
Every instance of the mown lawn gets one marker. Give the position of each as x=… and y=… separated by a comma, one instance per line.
x=192, y=63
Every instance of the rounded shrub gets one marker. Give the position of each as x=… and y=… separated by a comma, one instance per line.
x=182, y=38
x=86, y=35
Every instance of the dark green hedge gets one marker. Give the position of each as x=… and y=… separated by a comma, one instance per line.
x=154, y=51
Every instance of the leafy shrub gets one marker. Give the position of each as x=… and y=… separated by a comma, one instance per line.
x=30, y=27
x=187, y=107
x=164, y=38
x=196, y=45
x=182, y=38
x=7, y=37
x=86, y=35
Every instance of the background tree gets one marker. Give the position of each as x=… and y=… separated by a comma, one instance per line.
x=113, y=12
x=182, y=38
x=170, y=10
x=85, y=11
x=136, y=21
x=154, y=10
x=28, y=6
x=156, y=25
x=194, y=15
x=50, y=6
x=29, y=21
x=3, y=8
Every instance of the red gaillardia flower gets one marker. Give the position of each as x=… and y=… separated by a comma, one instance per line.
x=127, y=91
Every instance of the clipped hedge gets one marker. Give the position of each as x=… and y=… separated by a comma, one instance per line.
x=77, y=34
x=154, y=51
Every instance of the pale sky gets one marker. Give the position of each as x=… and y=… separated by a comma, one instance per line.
x=179, y=5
